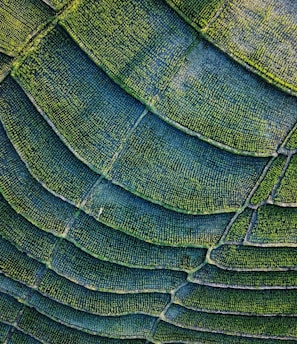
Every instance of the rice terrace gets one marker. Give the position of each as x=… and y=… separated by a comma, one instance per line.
x=148, y=171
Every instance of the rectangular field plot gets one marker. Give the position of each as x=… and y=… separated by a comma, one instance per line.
x=167, y=333
x=13, y=288
x=275, y=225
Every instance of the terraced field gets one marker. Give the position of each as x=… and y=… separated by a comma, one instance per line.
x=148, y=171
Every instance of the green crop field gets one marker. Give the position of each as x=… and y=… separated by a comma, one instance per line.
x=148, y=172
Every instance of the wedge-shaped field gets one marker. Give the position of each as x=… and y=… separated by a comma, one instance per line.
x=275, y=225
x=243, y=257
x=258, y=34
x=286, y=194
x=214, y=276
x=19, y=21
x=177, y=166
x=237, y=301
x=5, y=63
x=271, y=178
x=200, y=88
x=292, y=141
x=261, y=326
x=238, y=229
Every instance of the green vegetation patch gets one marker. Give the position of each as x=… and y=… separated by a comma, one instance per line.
x=78, y=266
x=217, y=299
x=19, y=20
x=271, y=178
x=5, y=62
x=255, y=258
x=9, y=308
x=292, y=142
x=211, y=274
x=234, y=324
x=138, y=42
x=117, y=246
x=275, y=225
x=91, y=113
x=13, y=288
x=238, y=230
x=102, y=303
x=19, y=337
x=287, y=191
x=132, y=325
x=203, y=90
x=23, y=192
x=218, y=98
x=184, y=173
x=166, y=333
x=18, y=265
x=196, y=12
x=153, y=223
x=30, y=239
x=50, y=331
x=46, y=156
x=4, y=330
x=84, y=231
x=261, y=34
